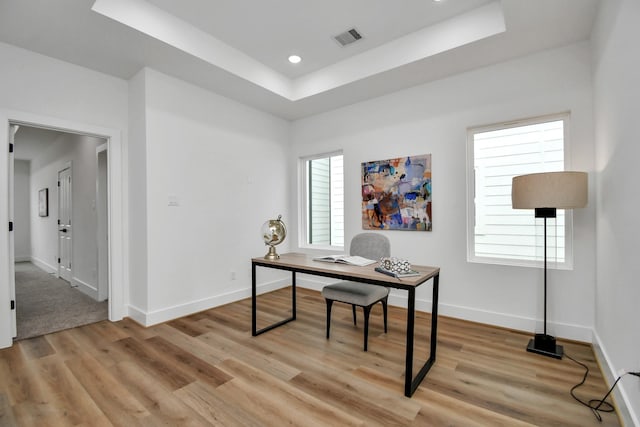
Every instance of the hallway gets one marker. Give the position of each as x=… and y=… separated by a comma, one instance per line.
x=46, y=304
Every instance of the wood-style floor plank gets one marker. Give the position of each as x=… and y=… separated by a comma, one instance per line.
x=161, y=403
x=67, y=395
x=210, y=405
x=6, y=413
x=207, y=370
x=107, y=391
x=273, y=398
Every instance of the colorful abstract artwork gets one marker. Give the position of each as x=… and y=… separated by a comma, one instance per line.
x=396, y=194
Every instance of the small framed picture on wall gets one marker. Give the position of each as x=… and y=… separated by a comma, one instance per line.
x=43, y=202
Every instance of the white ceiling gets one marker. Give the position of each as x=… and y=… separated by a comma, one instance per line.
x=270, y=31
x=238, y=48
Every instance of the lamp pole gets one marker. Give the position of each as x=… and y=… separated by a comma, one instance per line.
x=545, y=275
x=543, y=343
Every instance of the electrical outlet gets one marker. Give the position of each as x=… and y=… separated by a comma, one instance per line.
x=233, y=275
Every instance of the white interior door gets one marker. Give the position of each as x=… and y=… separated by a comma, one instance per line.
x=12, y=274
x=65, y=233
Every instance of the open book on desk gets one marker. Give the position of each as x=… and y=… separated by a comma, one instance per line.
x=346, y=259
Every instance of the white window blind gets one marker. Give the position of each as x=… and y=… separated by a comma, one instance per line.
x=337, y=201
x=498, y=233
x=324, y=202
x=319, y=201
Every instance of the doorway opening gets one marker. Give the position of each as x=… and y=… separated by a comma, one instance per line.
x=60, y=243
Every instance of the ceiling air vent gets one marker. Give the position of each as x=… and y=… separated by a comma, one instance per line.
x=348, y=37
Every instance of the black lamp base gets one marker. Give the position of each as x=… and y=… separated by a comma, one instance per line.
x=545, y=345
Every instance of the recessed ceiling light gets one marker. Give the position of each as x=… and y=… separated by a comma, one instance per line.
x=294, y=59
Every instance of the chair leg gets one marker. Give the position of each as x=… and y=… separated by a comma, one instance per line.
x=366, y=310
x=353, y=308
x=384, y=311
x=329, y=303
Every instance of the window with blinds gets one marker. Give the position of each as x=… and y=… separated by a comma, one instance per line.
x=497, y=233
x=324, y=201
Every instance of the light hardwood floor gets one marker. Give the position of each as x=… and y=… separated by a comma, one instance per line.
x=206, y=369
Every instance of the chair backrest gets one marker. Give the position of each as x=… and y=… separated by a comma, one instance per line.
x=370, y=245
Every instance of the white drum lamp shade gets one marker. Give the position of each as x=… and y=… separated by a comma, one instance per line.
x=561, y=190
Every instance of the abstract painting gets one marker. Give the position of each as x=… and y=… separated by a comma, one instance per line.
x=396, y=194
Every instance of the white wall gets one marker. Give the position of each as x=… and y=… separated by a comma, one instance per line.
x=433, y=118
x=44, y=235
x=21, y=207
x=138, y=259
x=35, y=86
x=59, y=89
x=80, y=152
x=225, y=165
x=617, y=100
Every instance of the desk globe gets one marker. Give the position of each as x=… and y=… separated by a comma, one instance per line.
x=273, y=233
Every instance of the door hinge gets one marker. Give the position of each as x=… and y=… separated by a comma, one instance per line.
x=58, y=260
x=58, y=183
x=13, y=304
x=11, y=148
x=10, y=225
x=58, y=222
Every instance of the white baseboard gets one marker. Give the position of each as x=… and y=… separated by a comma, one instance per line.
x=43, y=265
x=510, y=321
x=85, y=288
x=137, y=314
x=158, y=316
x=623, y=403
x=562, y=330
x=22, y=258
x=399, y=299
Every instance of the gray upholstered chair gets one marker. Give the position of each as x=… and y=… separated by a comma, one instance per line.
x=372, y=246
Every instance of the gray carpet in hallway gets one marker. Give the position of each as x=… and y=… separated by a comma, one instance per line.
x=46, y=304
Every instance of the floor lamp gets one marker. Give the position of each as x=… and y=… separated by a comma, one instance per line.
x=546, y=192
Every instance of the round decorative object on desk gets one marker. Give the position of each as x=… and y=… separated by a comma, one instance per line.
x=396, y=265
x=273, y=233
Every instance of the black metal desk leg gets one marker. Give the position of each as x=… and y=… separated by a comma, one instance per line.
x=434, y=318
x=411, y=384
x=253, y=299
x=293, y=294
x=411, y=317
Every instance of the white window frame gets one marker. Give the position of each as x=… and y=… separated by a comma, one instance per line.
x=303, y=208
x=471, y=207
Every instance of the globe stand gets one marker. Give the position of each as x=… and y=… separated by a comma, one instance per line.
x=272, y=255
x=273, y=233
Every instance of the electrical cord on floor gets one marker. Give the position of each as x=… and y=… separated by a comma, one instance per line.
x=596, y=405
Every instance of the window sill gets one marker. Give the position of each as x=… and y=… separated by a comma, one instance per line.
x=317, y=248
x=567, y=265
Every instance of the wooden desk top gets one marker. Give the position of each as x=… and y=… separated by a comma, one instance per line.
x=304, y=263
